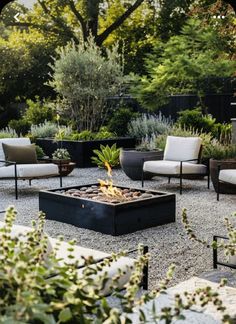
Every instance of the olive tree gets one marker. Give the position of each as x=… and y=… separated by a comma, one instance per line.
x=84, y=78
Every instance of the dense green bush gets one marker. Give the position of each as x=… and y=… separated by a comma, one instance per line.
x=218, y=151
x=39, y=152
x=21, y=126
x=195, y=119
x=38, y=111
x=104, y=133
x=119, y=121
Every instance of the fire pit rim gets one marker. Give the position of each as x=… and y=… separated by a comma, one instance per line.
x=122, y=203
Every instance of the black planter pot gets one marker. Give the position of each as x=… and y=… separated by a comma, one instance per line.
x=82, y=151
x=131, y=162
x=226, y=188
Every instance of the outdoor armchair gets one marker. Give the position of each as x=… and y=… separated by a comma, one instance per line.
x=226, y=176
x=25, y=171
x=181, y=159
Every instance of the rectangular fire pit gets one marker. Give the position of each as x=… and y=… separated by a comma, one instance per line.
x=152, y=208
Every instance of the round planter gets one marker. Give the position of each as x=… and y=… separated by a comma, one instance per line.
x=131, y=162
x=60, y=162
x=224, y=164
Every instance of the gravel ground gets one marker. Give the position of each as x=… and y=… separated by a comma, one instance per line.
x=168, y=244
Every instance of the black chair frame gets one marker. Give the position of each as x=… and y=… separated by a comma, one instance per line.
x=216, y=262
x=181, y=175
x=219, y=181
x=16, y=178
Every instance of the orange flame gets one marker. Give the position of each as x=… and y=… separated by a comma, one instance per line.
x=107, y=165
x=107, y=188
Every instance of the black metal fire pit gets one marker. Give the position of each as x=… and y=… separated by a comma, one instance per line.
x=108, y=218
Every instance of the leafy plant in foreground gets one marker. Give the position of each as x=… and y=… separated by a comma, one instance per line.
x=37, y=287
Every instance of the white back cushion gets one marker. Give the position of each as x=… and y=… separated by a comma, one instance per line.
x=13, y=141
x=182, y=148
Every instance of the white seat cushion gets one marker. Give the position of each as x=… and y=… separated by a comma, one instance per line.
x=182, y=148
x=78, y=253
x=122, y=267
x=13, y=141
x=228, y=175
x=29, y=170
x=173, y=167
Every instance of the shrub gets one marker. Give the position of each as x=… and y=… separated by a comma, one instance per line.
x=196, y=120
x=148, y=143
x=8, y=133
x=21, y=126
x=64, y=132
x=38, y=111
x=36, y=288
x=218, y=151
x=61, y=154
x=104, y=133
x=85, y=135
x=118, y=123
x=147, y=125
x=179, y=131
x=39, y=152
x=85, y=77
x=46, y=129
x=106, y=154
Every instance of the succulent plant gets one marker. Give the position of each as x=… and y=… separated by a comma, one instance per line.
x=106, y=154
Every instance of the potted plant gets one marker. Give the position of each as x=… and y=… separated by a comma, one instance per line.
x=223, y=156
x=61, y=157
x=131, y=159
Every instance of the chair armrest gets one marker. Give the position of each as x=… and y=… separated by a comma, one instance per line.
x=215, y=237
x=8, y=162
x=189, y=160
x=231, y=163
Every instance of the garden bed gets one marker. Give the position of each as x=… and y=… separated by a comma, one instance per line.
x=82, y=151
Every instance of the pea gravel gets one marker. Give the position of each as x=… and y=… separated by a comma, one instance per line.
x=167, y=244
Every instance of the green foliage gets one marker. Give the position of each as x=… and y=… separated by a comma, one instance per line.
x=36, y=288
x=147, y=125
x=85, y=78
x=148, y=143
x=38, y=111
x=64, y=132
x=39, y=152
x=119, y=121
x=24, y=64
x=182, y=65
x=106, y=154
x=104, y=133
x=85, y=135
x=61, y=154
x=179, y=131
x=219, y=151
x=21, y=126
x=8, y=133
x=46, y=129
x=195, y=119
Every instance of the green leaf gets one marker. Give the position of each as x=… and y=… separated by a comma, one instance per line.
x=65, y=315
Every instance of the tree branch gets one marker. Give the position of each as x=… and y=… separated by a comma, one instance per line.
x=58, y=21
x=100, y=38
x=79, y=17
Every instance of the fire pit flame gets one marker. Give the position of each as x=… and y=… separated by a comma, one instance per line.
x=107, y=187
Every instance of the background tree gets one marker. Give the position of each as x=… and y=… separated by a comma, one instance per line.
x=183, y=64
x=76, y=19
x=85, y=78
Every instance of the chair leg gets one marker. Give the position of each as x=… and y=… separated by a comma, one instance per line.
x=30, y=182
x=208, y=180
x=181, y=178
x=168, y=180
x=60, y=180
x=218, y=190
x=142, y=179
x=145, y=271
x=16, y=184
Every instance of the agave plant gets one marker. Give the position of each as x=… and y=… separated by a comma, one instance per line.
x=106, y=154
